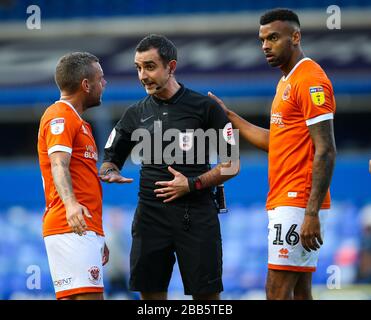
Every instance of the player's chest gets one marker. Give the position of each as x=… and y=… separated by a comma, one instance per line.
x=84, y=144
x=285, y=111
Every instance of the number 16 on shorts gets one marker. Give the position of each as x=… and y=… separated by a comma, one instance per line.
x=285, y=251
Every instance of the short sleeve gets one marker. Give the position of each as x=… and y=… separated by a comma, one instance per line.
x=60, y=131
x=218, y=120
x=316, y=100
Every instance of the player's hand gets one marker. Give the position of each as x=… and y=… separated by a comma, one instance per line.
x=310, y=233
x=75, y=217
x=115, y=177
x=173, y=189
x=105, y=257
x=219, y=101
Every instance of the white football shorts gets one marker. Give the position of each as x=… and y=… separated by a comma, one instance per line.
x=75, y=263
x=285, y=251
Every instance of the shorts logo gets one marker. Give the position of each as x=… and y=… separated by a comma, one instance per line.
x=286, y=92
x=228, y=134
x=94, y=275
x=57, y=126
x=317, y=94
x=185, y=140
x=63, y=282
x=284, y=253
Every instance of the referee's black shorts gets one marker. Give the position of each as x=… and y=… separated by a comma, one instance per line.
x=189, y=231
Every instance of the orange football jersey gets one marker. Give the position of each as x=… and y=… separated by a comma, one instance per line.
x=303, y=98
x=62, y=129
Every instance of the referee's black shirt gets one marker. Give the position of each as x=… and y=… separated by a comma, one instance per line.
x=186, y=111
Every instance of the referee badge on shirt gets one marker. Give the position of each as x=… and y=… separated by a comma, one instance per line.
x=318, y=95
x=185, y=140
x=57, y=126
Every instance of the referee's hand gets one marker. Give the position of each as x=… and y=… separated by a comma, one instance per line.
x=173, y=189
x=115, y=177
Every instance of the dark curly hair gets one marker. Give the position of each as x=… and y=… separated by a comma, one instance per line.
x=280, y=15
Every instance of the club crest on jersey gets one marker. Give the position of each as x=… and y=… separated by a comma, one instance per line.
x=318, y=95
x=286, y=92
x=94, y=275
x=185, y=140
x=57, y=126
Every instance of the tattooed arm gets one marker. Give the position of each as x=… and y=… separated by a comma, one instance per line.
x=60, y=163
x=322, y=135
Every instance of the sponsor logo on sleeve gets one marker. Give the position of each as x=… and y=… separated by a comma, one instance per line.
x=318, y=95
x=57, y=126
x=228, y=134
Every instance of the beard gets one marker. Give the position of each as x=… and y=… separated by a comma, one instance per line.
x=93, y=102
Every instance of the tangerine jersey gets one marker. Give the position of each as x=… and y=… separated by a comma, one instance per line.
x=62, y=129
x=303, y=98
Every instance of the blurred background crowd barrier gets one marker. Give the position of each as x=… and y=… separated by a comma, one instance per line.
x=219, y=50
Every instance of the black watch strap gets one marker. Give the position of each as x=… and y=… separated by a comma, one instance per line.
x=194, y=184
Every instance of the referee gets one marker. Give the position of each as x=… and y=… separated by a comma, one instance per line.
x=176, y=216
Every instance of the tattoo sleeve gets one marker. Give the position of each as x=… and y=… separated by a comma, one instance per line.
x=322, y=135
x=61, y=176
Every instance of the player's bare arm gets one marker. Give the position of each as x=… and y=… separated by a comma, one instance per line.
x=109, y=172
x=60, y=163
x=322, y=135
x=179, y=186
x=257, y=136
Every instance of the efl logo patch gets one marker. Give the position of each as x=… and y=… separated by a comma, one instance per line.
x=317, y=94
x=57, y=126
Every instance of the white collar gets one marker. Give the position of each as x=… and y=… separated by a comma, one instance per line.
x=71, y=106
x=294, y=68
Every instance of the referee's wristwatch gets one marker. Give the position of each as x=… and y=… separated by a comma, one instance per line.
x=194, y=183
